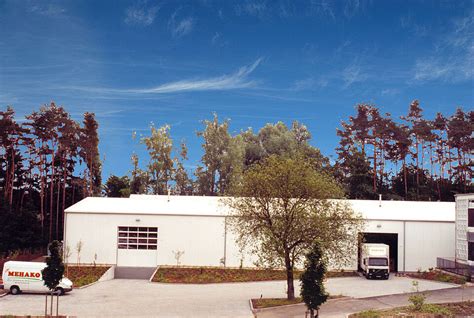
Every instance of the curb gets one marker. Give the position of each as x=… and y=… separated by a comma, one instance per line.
x=153, y=275
x=253, y=310
x=97, y=281
x=88, y=285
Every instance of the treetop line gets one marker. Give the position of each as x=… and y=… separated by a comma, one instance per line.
x=50, y=161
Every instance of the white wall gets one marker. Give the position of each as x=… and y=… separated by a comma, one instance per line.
x=426, y=241
x=200, y=237
x=202, y=240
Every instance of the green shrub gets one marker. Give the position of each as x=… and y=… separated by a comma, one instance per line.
x=417, y=300
x=437, y=309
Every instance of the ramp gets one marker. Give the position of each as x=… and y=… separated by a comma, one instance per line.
x=123, y=272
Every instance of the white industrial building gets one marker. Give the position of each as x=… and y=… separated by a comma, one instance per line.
x=146, y=231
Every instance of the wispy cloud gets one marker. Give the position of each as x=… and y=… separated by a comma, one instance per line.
x=233, y=81
x=218, y=40
x=408, y=22
x=322, y=7
x=254, y=8
x=453, y=60
x=352, y=7
x=309, y=84
x=353, y=73
x=180, y=27
x=390, y=92
x=141, y=14
x=50, y=10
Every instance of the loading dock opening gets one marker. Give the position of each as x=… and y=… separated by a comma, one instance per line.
x=391, y=239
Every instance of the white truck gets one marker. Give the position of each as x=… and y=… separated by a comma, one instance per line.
x=375, y=261
x=27, y=276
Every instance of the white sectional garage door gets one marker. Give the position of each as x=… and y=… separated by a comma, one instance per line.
x=137, y=246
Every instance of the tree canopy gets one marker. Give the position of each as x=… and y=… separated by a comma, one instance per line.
x=283, y=206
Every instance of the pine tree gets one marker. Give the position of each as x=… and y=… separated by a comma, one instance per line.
x=89, y=144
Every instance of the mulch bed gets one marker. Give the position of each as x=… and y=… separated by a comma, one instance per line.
x=211, y=275
x=438, y=276
x=260, y=303
x=84, y=275
x=461, y=309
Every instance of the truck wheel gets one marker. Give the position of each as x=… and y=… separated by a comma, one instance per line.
x=14, y=290
x=60, y=291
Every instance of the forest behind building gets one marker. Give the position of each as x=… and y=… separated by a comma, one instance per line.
x=48, y=161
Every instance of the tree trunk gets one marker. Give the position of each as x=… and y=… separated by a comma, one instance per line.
x=417, y=168
x=405, y=177
x=42, y=195
x=289, y=276
x=51, y=197
x=12, y=177
x=375, y=168
x=58, y=192
x=63, y=205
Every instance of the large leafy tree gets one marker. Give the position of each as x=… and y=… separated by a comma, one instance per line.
x=212, y=177
x=283, y=206
x=161, y=165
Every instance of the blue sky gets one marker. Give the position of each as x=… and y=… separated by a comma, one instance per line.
x=254, y=62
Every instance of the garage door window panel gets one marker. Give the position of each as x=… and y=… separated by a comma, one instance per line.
x=141, y=238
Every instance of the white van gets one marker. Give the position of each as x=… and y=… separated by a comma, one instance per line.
x=27, y=276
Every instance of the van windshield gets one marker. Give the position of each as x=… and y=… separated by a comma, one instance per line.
x=377, y=261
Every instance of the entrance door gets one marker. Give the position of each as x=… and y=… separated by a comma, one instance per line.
x=137, y=246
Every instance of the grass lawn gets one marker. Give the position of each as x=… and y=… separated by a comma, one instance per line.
x=84, y=275
x=428, y=311
x=274, y=302
x=209, y=275
x=438, y=276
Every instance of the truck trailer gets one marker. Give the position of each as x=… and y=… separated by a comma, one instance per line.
x=374, y=260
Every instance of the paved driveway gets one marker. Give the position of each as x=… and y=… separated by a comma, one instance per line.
x=141, y=298
x=340, y=307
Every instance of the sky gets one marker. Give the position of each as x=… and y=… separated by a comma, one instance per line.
x=253, y=62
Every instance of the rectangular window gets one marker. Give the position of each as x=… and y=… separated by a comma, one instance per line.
x=470, y=251
x=470, y=217
x=141, y=238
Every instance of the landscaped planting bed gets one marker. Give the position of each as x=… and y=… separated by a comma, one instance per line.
x=439, y=276
x=209, y=275
x=463, y=309
x=85, y=275
x=260, y=303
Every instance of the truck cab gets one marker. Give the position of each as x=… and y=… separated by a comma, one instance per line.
x=374, y=261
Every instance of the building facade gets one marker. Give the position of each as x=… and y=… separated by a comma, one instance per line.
x=465, y=229
x=146, y=231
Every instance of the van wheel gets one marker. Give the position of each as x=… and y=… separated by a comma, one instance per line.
x=60, y=291
x=14, y=290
